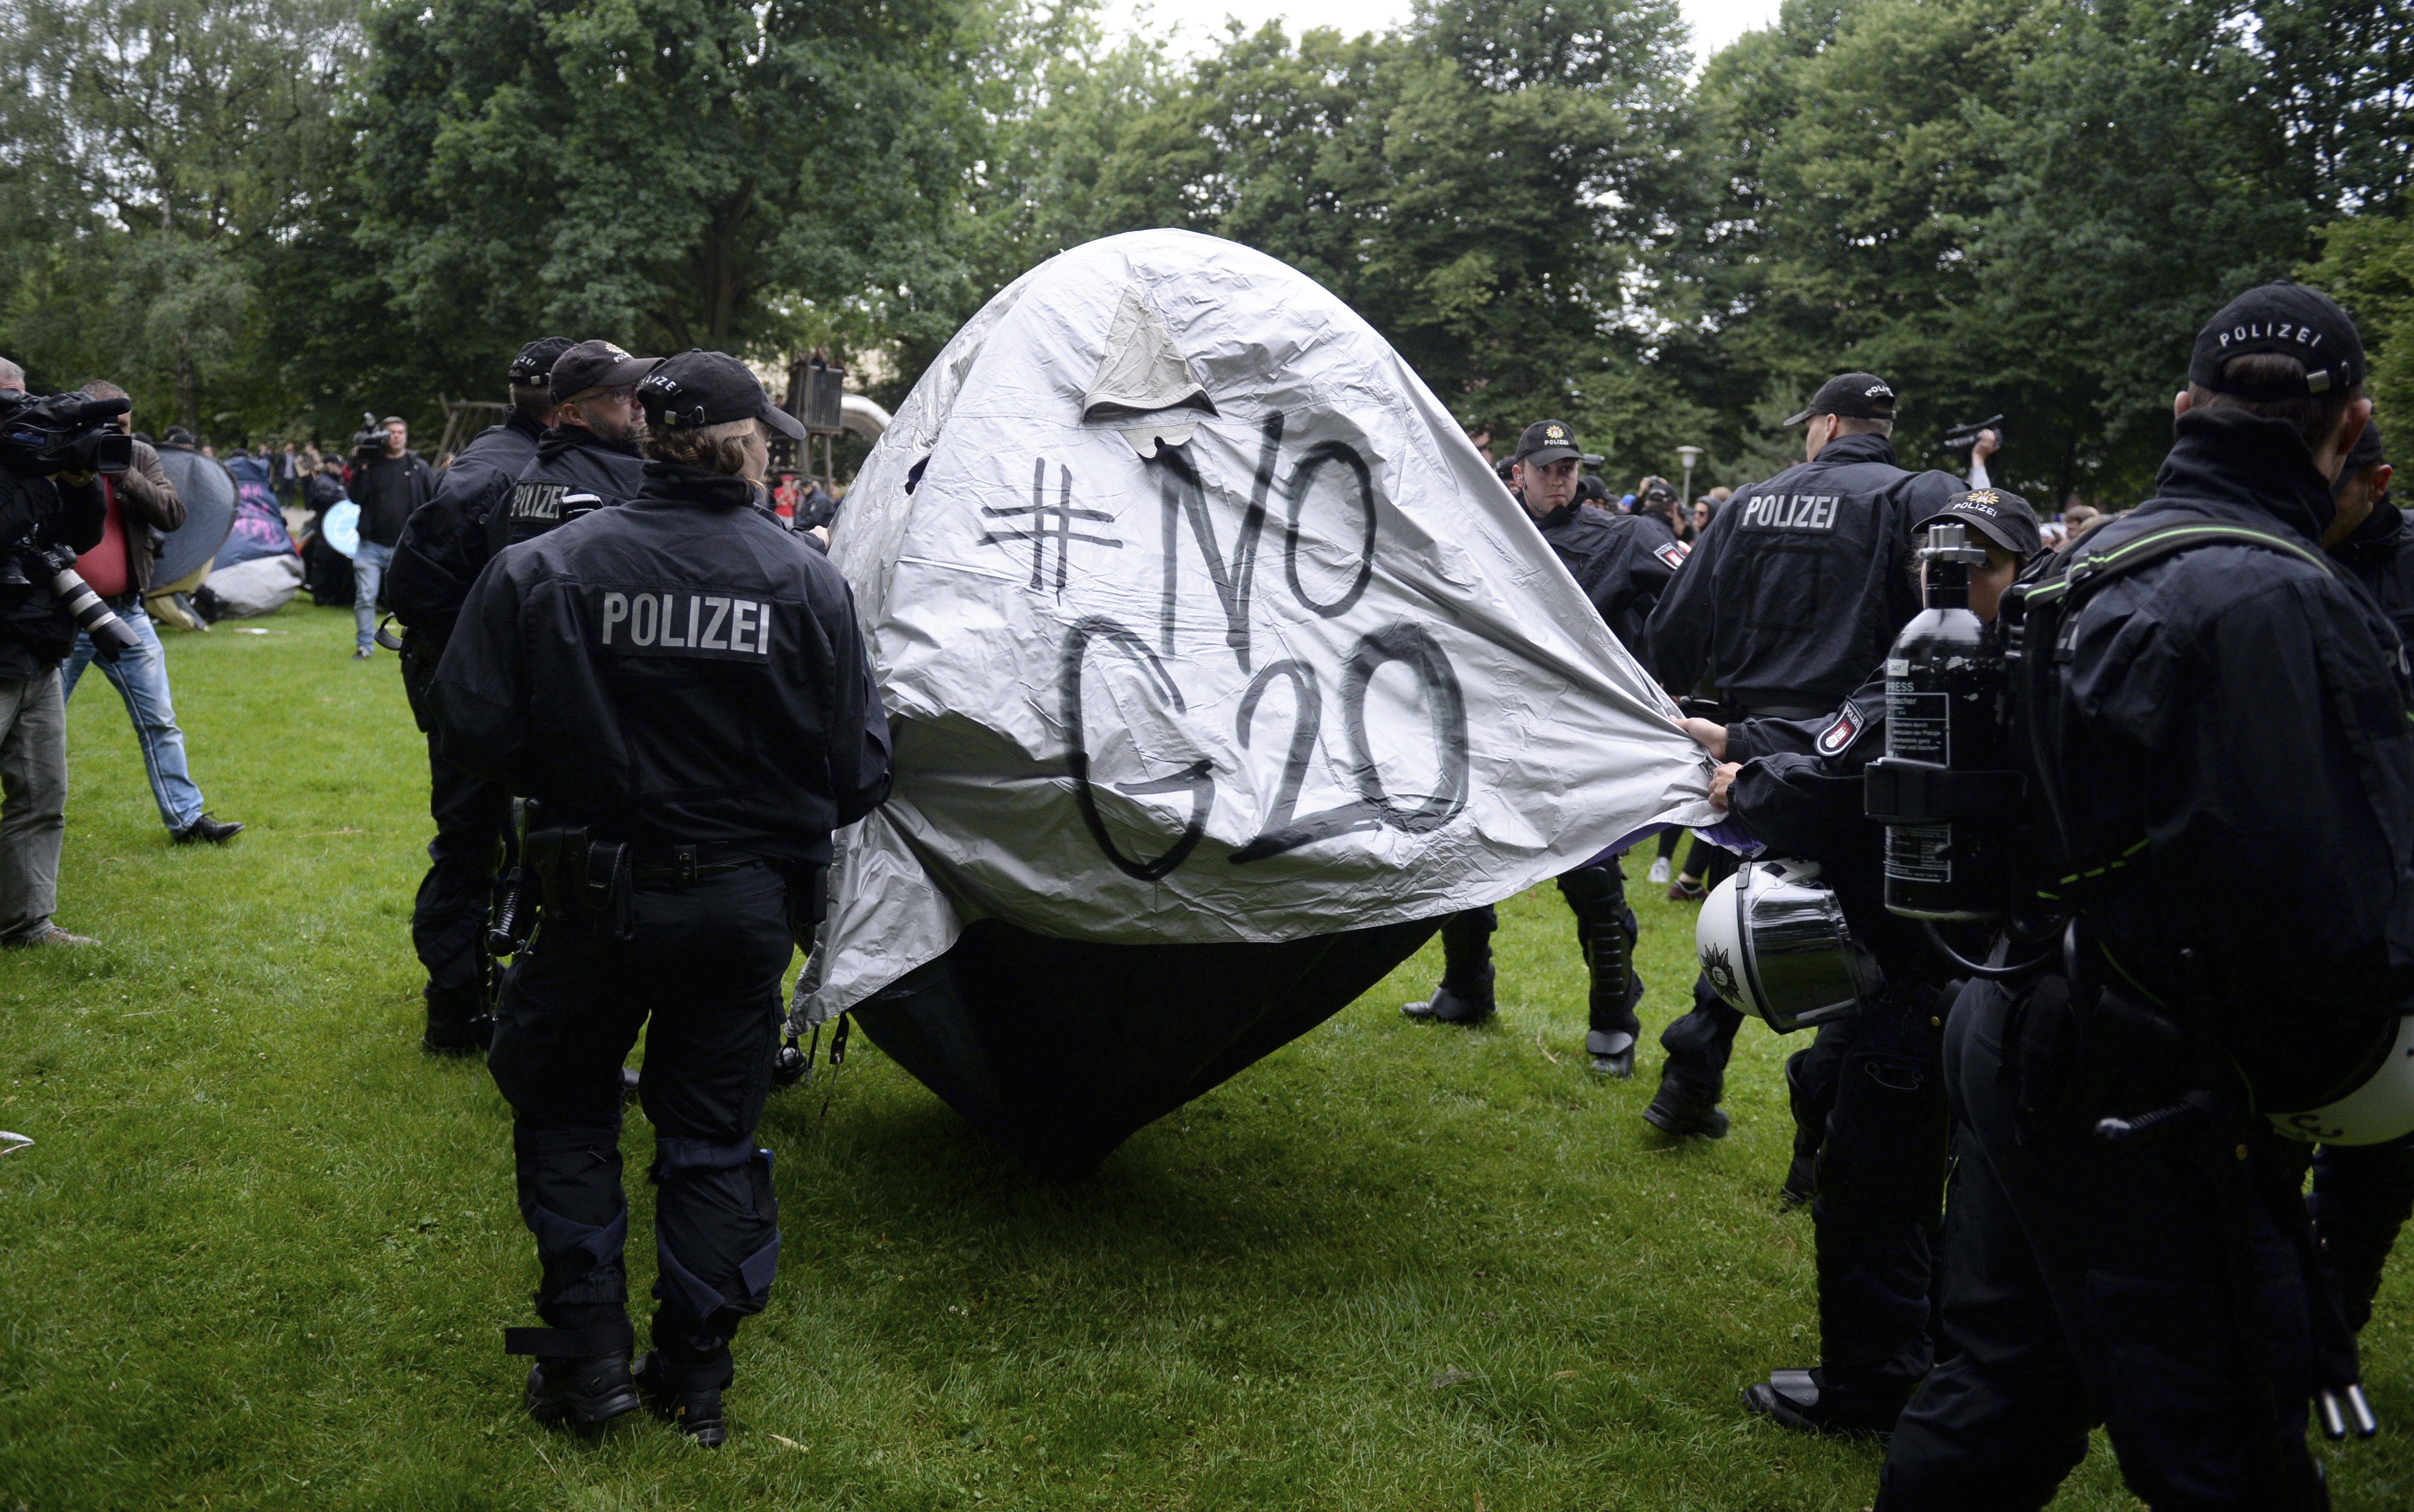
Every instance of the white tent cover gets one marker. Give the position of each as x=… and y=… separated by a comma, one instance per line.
x=1198, y=618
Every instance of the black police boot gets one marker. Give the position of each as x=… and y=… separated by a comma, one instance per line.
x=695, y=1409
x=594, y=1388
x=457, y=1021
x=581, y=1375
x=1454, y=1003
x=1804, y=1402
x=1611, y=1052
x=1675, y=1111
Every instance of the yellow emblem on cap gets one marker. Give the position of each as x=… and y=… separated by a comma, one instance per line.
x=1556, y=434
x=1983, y=496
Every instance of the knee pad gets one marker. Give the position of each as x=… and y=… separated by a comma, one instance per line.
x=570, y=1197
x=718, y=1266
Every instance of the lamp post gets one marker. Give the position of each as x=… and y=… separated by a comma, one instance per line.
x=1689, y=455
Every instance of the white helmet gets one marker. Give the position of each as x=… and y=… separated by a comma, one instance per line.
x=1773, y=944
x=2381, y=1110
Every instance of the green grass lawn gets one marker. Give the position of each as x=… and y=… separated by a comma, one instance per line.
x=262, y=1251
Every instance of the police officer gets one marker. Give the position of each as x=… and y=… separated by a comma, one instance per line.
x=1793, y=594
x=680, y=686
x=440, y=552
x=1868, y=1094
x=2203, y=700
x=588, y=459
x=1622, y=565
x=2364, y=1194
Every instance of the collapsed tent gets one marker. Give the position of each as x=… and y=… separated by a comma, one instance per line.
x=208, y=493
x=258, y=528
x=1220, y=668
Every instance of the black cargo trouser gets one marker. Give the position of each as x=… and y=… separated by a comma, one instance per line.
x=2362, y=1195
x=1467, y=949
x=2086, y=1283
x=702, y=975
x=448, y=921
x=1878, y=1204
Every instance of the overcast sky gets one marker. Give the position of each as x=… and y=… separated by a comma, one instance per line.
x=1716, y=22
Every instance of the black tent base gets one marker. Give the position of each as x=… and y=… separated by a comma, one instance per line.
x=1060, y=1049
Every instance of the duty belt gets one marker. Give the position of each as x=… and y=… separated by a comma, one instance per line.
x=678, y=866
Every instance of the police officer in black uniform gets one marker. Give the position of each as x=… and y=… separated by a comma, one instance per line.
x=1790, y=597
x=1622, y=565
x=2364, y=1194
x=437, y=558
x=680, y=687
x=2224, y=738
x=1868, y=1094
x=588, y=459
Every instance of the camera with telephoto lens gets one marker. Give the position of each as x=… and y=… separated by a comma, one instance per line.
x=35, y=560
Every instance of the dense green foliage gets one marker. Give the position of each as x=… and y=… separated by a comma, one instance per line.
x=266, y=215
x=260, y=1248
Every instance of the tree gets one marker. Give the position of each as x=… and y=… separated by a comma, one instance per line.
x=163, y=150
x=668, y=173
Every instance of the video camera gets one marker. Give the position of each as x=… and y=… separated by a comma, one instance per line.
x=44, y=436
x=1963, y=437
x=369, y=440
x=64, y=433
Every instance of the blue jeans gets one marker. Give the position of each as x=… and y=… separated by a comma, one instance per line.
x=141, y=676
x=368, y=571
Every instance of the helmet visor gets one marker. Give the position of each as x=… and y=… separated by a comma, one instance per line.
x=1797, y=950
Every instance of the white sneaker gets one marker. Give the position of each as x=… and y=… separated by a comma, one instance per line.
x=1659, y=869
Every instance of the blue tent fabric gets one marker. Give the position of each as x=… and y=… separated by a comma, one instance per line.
x=259, y=524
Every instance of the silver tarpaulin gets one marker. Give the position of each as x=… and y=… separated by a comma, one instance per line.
x=1199, y=620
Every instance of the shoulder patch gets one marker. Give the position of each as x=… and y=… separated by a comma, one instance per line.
x=1842, y=732
x=1672, y=552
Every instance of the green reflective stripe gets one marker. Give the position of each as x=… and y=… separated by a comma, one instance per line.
x=2115, y=960
x=2219, y=532
x=2135, y=849
x=2105, y=560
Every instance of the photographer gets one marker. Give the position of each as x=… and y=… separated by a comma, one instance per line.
x=143, y=504
x=46, y=505
x=388, y=484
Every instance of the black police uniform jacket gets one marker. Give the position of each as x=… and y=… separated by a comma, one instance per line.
x=681, y=669
x=2240, y=769
x=1618, y=560
x=443, y=544
x=1799, y=584
x=576, y=470
x=2381, y=555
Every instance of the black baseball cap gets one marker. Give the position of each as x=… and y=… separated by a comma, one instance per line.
x=2003, y=518
x=2290, y=319
x=533, y=366
x=1547, y=442
x=2367, y=453
x=1852, y=395
x=699, y=388
x=596, y=364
